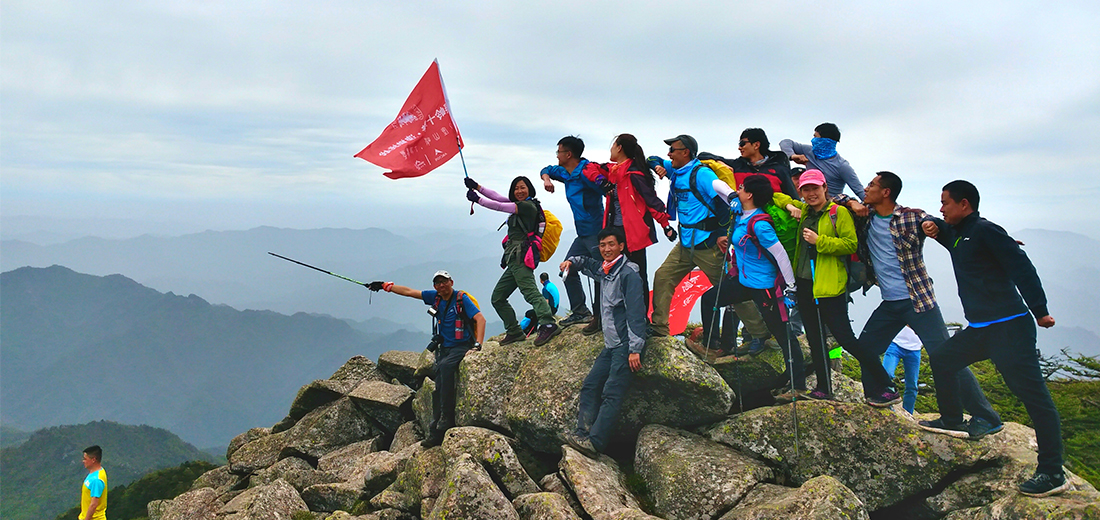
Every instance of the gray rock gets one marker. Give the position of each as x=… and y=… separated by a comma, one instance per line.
x=628, y=513
x=200, y=504
x=332, y=497
x=344, y=462
x=470, y=493
x=422, y=405
x=294, y=471
x=344, y=515
x=400, y=364
x=245, y=438
x=554, y=483
x=879, y=455
x=820, y=498
x=219, y=478
x=1071, y=505
x=420, y=478
x=538, y=400
x=327, y=429
x=495, y=453
x=693, y=478
x=406, y=435
x=258, y=454
x=384, y=402
x=311, y=396
x=425, y=365
x=277, y=500
x=155, y=510
x=544, y=506
x=358, y=368
x=598, y=484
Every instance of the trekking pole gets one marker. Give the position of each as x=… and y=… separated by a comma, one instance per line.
x=463, y=159
x=821, y=333
x=330, y=273
x=794, y=394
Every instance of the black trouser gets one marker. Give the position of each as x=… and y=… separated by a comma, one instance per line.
x=638, y=257
x=833, y=312
x=1011, y=347
x=447, y=360
x=713, y=300
x=767, y=302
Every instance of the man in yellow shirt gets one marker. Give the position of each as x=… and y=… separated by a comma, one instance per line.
x=93, y=494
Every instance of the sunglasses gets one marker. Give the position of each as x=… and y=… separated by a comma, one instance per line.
x=743, y=142
x=674, y=149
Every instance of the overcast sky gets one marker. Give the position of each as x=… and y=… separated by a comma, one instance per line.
x=229, y=115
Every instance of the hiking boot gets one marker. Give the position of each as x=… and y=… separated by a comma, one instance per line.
x=593, y=327
x=512, y=338
x=818, y=395
x=582, y=444
x=978, y=428
x=546, y=332
x=753, y=348
x=883, y=400
x=790, y=396
x=772, y=343
x=1045, y=484
x=939, y=426
x=574, y=319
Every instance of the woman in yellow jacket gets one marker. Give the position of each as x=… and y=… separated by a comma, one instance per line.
x=827, y=235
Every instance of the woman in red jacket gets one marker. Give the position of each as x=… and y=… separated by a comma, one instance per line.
x=632, y=203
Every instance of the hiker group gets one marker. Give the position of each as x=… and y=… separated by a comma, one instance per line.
x=782, y=249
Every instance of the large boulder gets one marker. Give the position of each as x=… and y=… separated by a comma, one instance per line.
x=598, y=484
x=555, y=483
x=400, y=365
x=1071, y=505
x=258, y=453
x=219, y=478
x=344, y=462
x=383, y=402
x=693, y=478
x=327, y=429
x=820, y=498
x=422, y=405
x=544, y=506
x=495, y=453
x=237, y=442
x=311, y=396
x=331, y=497
x=278, y=500
x=879, y=455
x=537, y=400
x=358, y=368
x=420, y=480
x=469, y=492
x=407, y=434
x=294, y=471
x=200, y=504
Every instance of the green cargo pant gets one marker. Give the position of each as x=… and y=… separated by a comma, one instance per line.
x=677, y=265
x=517, y=275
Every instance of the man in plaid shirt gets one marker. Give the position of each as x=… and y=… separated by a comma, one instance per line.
x=891, y=244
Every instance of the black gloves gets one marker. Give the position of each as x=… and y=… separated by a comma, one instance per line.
x=470, y=183
x=472, y=196
x=670, y=233
x=375, y=286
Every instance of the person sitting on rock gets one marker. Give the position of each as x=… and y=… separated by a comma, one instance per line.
x=453, y=336
x=623, y=309
x=530, y=320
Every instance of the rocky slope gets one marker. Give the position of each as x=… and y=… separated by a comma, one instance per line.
x=349, y=449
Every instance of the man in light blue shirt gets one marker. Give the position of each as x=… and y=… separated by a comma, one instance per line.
x=821, y=155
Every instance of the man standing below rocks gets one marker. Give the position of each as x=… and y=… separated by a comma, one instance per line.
x=821, y=155
x=993, y=273
x=93, y=493
x=891, y=245
x=457, y=328
x=623, y=306
x=586, y=200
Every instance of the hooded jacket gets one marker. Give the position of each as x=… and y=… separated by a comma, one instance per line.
x=833, y=244
x=638, y=203
x=623, y=305
x=776, y=166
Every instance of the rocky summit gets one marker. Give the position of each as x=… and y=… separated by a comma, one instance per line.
x=349, y=449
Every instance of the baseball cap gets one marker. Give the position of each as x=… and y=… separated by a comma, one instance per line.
x=442, y=273
x=811, y=177
x=688, y=142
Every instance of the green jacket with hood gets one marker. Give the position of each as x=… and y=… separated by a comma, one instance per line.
x=833, y=245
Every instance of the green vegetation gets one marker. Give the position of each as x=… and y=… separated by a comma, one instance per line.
x=42, y=476
x=12, y=437
x=128, y=502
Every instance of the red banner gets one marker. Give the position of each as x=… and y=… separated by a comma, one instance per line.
x=422, y=137
x=683, y=299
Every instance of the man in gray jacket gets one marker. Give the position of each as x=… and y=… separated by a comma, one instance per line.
x=623, y=309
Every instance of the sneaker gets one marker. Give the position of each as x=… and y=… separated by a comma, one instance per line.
x=790, y=396
x=583, y=445
x=1045, y=484
x=753, y=348
x=978, y=428
x=546, y=332
x=574, y=319
x=818, y=395
x=512, y=338
x=593, y=327
x=883, y=400
x=939, y=426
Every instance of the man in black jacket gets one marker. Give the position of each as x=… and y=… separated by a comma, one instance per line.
x=992, y=273
x=756, y=158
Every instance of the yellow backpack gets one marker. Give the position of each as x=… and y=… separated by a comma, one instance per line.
x=550, y=237
x=722, y=170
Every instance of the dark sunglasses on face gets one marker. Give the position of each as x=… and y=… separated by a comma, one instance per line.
x=674, y=149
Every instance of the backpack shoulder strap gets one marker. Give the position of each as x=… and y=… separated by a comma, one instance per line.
x=695, y=190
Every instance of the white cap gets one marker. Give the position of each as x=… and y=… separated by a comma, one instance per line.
x=442, y=273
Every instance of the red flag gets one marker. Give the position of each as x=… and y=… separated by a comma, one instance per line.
x=683, y=299
x=423, y=137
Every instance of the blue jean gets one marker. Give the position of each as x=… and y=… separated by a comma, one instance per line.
x=910, y=360
x=602, y=396
x=582, y=246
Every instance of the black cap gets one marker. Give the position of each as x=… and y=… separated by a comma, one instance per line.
x=688, y=142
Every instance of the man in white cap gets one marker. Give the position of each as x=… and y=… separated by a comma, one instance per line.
x=457, y=328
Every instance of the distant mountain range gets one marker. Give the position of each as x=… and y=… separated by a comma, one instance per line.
x=42, y=476
x=78, y=347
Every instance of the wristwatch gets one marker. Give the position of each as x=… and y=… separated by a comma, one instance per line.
x=477, y=346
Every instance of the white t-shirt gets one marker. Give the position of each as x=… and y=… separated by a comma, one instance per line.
x=907, y=339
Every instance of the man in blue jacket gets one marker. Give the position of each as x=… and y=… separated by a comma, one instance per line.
x=586, y=200
x=623, y=306
x=992, y=274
